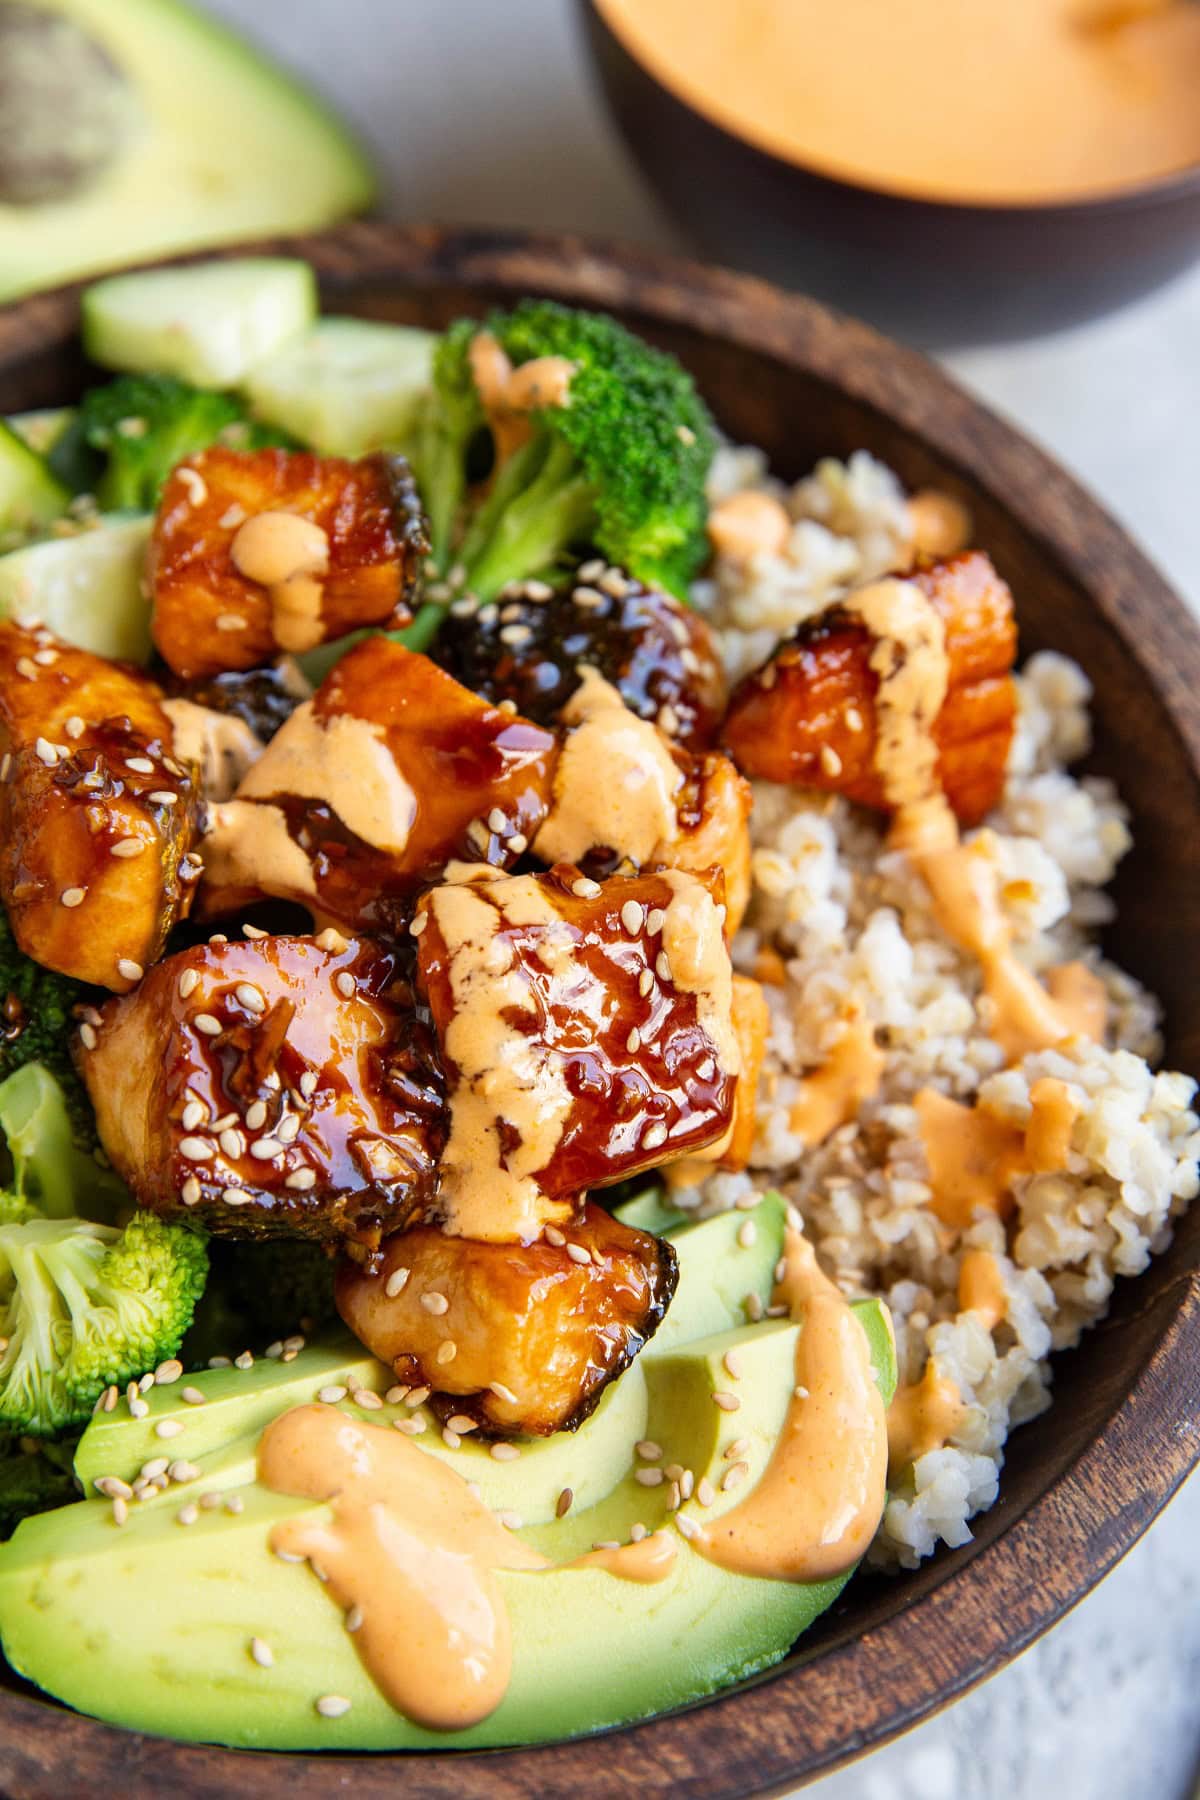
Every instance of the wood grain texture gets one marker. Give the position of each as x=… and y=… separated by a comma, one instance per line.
x=1082, y=1482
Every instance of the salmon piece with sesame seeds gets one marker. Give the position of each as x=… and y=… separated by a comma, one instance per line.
x=537, y=1330
x=98, y=818
x=355, y=534
x=808, y=715
x=278, y=1085
x=367, y=791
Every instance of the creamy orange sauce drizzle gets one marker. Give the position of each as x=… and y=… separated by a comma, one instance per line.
x=747, y=525
x=509, y=395
x=923, y=1416
x=286, y=554
x=410, y=1544
x=1008, y=101
x=974, y=1157
x=344, y=761
x=981, y=1287
x=817, y=1504
x=649, y=1561
x=221, y=745
x=832, y=1094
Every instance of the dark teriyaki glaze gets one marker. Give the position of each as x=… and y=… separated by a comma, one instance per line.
x=527, y=647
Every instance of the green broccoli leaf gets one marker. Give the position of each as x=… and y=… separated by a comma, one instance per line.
x=51, y=1171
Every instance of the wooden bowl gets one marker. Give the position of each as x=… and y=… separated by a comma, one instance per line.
x=934, y=271
x=1082, y=1482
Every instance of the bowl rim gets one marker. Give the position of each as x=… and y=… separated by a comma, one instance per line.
x=1108, y=203
x=784, y=1727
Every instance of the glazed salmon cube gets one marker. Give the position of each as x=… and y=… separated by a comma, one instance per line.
x=280, y=1085
x=369, y=790
x=254, y=552
x=586, y=1035
x=97, y=815
x=808, y=715
x=538, y=1330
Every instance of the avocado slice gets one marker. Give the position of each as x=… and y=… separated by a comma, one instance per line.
x=149, y=1625
x=130, y=130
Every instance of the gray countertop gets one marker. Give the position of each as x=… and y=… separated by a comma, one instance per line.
x=482, y=112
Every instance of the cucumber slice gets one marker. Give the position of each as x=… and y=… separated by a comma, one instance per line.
x=30, y=497
x=208, y=323
x=41, y=430
x=347, y=386
x=86, y=588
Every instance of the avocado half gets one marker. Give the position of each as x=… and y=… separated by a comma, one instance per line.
x=130, y=128
x=149, y=1624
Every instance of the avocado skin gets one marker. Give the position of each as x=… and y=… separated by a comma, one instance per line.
x=149, y=1625
x=251, y=152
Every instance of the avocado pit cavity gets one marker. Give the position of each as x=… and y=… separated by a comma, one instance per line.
x=66, y=108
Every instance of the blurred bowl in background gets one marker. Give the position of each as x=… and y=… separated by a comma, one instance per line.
x=936, y=271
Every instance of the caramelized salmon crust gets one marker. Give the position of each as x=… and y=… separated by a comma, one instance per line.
x=808, y=715
x=520, y=1338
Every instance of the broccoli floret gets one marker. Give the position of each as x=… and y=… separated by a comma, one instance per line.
x=128, y=435
x=36, y=1008
x=620, y=468
x=34, y=1480
x=84, y=1305
x=51, y=1171
x=258, y=1292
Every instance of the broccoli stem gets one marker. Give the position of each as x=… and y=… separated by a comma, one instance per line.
x=536, y=523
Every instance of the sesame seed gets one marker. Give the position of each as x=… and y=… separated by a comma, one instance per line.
x=189, y=1193
x=112, y=1487
x=262, y=1653
x=254, y=932
x=734, y=1476
x=191, y=1396
x=503, y=1393
x=345, y=984
x=234, y=1503
x=554, y=1236
x=266, y=1149
x=87, y=1034
x=801, y=1393
x=329, y=1396
x=447, y=1351
x=146, y=1382
x=75, y=727
x=120, y=1510
x=220, y=1362
x=578, y=1254
x=831, y=762
x=232, y=1142
x=637, y=1532
x=648, y=1477
x=418, y=925
x=654, y=1136
x=687, y=1482
x=668, y=721
x=205, y=1023
x=705, y=1491
x=747, y=1234
x=138, y=1408
x=354, y=1618
x=227, y=621
x=139, y=765
x=418, y=1396
x=168, y=1428
x=853, y=718
x=127, y=847
x=633, y=1042
x=308, y=1083
x=395, y=1394
x=188, y=983
x=244, y=1361
x=733, y=1364
x=754, y=1308
x=27, y=667
x=395, y=1282
x=333, y=1706
x=518, y=843
x=163, y=797
x=502, y=1452
x=583, y=889
x=662, y=966
x=331, y=940
x=256, y=1115
x=193, y=481
x=109, y=1398
x=250, y=997
x=726, y=1402
x=73, y=896
x=182, y=1471
x=410, y=1427
x=196, y=1149
x=511, y=1521
x=435, y=1303
x=288, y=1129
x=645, y=982
x=45, y=752
x=688, y=1527
x=587, y=597
x=366, y=1399
x=209, y=1501
x=301, y=1179
x=295, y=1342
x=194, y=1113
x=129, y=970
